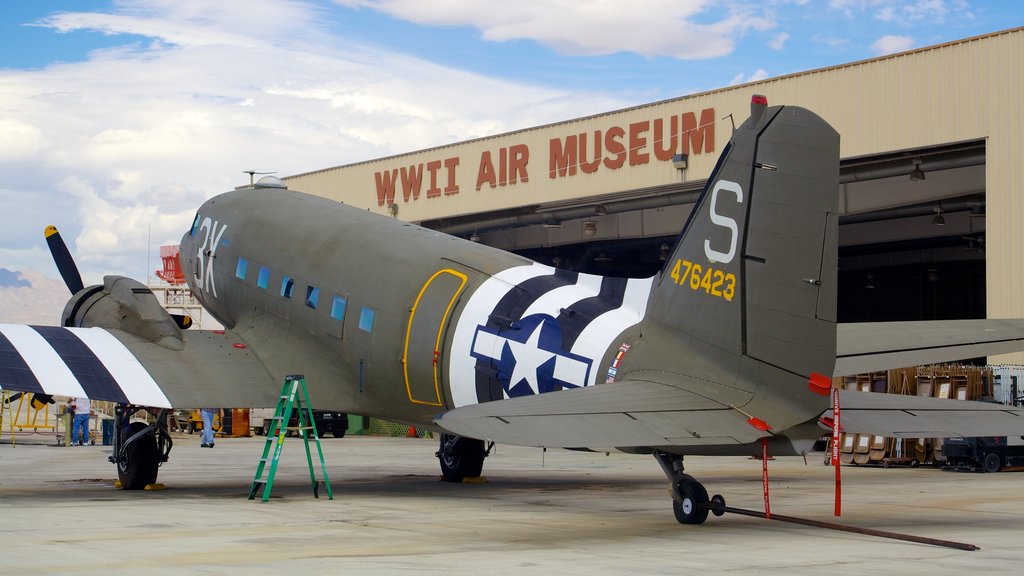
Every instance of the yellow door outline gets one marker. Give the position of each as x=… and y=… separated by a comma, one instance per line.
x=437, y=341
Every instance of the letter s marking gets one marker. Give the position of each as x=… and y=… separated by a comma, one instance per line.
x=725, y=222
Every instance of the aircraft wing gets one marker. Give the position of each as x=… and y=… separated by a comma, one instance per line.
x=213, y=369
x=924, y=417
x=866, y=347
x=625, y=413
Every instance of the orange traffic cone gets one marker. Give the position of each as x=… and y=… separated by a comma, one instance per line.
x=412, y=432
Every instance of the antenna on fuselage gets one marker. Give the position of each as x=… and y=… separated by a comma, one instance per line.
x=252, y=176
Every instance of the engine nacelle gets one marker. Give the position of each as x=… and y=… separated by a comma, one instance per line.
x=121, y=303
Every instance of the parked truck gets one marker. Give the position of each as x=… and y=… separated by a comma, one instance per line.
x=325, y=421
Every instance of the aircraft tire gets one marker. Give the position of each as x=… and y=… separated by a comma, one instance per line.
x=692, y=509
x=460, y=457
x=140, y=463
x=991, y=462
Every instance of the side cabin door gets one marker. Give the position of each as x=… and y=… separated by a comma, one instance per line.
x=428, y=319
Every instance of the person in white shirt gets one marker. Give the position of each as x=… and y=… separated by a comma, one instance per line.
x=81, y=422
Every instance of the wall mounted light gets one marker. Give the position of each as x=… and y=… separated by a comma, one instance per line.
x=938, y=220
x=589, y=227
x=681, y=161
x=917, y=175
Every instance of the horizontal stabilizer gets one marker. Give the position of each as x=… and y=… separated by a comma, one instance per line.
x=923, y=417
x=626, y=413
x=866, y=347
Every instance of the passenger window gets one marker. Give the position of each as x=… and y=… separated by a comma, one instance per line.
x=366, y=317
x=312, y=296
x=241, y=268
x=286, y=286
x=338, y=307
x=263, y=279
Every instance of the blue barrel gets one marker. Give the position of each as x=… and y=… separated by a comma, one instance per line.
x=108, y=431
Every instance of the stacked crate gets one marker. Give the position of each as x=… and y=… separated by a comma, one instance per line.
x=943, y=381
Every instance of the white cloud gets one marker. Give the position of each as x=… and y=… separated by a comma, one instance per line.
x=741, y=78
x=120, y=149
x=779, y=41
x=907, y=13
x=597, y=27
x=892, y=44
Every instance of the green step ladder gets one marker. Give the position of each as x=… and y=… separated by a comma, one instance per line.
x=289, y=401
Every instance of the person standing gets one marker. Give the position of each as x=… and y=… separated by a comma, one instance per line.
x=208, y=415
x=81, y=422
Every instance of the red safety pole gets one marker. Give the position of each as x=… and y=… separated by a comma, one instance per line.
x=764, y=477
x=835, y=451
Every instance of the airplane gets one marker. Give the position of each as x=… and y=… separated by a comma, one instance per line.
x=733, y=343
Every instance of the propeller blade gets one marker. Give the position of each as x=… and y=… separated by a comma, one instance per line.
x=61, y=257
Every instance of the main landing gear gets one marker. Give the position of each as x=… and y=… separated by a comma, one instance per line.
x=690, y=502
x=139, y=448
x=460, y=457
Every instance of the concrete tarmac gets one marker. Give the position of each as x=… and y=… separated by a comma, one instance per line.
x=554, y=512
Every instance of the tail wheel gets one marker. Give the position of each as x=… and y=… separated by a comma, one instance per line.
x=138, y=467
x=692, y=507
x=460, y=457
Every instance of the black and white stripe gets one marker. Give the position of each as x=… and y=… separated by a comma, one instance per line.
x=76, y=362
x=591, y=312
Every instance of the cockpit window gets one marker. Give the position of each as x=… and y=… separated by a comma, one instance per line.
x=242, y=268
x=195, y=225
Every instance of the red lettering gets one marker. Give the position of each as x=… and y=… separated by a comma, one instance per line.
x=519, y=157
x=432, y=167
x=562, y=157
x=615, y=148
x=699, y=136
x=412, y=179
x=386, y=187
x=661, y=151
x=450, y=164
x=638, y=143
x=503, y=166
x=485, y=175
x=589, y=167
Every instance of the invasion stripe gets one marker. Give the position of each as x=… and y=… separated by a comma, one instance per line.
x=94, y=377
x=50, y=371
x=599, y=335
x=131, y=376
x=14, y=371
x=577, y=316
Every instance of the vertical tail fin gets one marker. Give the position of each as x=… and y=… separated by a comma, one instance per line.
x=754, y=270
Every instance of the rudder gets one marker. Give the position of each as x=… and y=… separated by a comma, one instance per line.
x=755, y=269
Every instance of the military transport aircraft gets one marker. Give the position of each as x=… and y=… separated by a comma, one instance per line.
x=725, y=346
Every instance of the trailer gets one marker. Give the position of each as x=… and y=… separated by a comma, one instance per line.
x=987, y=453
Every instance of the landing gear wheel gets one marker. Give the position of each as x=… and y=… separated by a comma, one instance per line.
x=991, y=463
x=141, y=460
x=460, y=457
x=692, y=508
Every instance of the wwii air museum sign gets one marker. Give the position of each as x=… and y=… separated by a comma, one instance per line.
x=619, y=151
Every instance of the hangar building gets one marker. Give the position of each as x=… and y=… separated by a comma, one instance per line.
x=931, y=191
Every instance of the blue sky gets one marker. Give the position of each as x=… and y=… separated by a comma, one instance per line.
x=120, y=117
